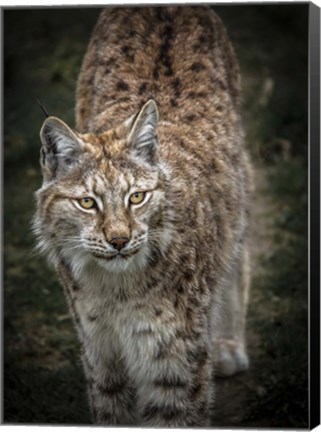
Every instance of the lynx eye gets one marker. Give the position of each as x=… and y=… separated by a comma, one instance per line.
x=137, y=197
x=87, y=203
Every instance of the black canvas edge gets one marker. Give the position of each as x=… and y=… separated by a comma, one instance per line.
x=314, y=214
x=1, y=220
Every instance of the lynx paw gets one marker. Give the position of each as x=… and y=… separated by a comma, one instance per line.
x=231, y=358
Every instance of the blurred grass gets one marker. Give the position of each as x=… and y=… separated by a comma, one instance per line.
x=43, y=48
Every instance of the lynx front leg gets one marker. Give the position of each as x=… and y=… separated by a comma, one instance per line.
x=230, y=344
x=173, y=375
x=111, y=394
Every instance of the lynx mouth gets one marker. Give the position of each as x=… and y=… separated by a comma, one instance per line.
x=117, y=255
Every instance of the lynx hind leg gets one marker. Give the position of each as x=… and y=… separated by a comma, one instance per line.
x=230, y=343
x=231, y=357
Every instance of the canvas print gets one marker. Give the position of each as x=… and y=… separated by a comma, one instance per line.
x=155, y=243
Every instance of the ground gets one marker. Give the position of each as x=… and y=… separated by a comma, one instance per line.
x=42, y=380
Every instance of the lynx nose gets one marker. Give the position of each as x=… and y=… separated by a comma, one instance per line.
x=119, y=242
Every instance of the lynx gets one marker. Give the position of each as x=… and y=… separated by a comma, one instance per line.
x=143, y=212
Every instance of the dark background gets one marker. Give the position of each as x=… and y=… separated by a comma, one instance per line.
x=42, y=376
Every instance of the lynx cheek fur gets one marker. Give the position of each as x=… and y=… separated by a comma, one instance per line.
x=143, y=213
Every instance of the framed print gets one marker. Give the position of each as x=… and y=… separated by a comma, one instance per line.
x=161, y=215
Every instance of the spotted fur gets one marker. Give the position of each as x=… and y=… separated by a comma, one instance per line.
x=158, y=111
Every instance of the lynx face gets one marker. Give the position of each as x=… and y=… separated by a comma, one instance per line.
x=103, y=197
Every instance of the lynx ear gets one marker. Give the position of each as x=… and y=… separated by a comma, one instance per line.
x=61, y=148
x=142, y=138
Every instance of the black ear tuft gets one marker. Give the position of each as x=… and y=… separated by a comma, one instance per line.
x=61, y=148
x=43, y=109
x=143, y=136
